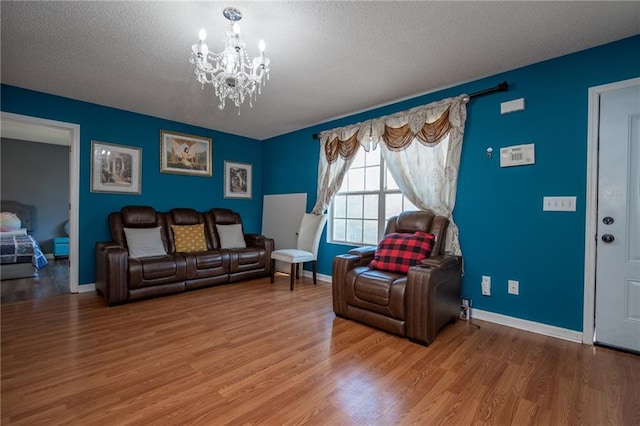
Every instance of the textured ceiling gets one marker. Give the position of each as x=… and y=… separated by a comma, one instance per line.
x=328, y=59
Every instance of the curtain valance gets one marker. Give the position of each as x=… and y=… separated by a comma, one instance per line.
x=428, y=124
x=425, y=171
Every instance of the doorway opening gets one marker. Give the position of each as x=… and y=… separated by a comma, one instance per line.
x=23, y=127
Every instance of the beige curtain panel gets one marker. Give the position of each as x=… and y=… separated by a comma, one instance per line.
x=421, y=147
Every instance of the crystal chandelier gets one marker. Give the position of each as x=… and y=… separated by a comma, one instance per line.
x=230, y=72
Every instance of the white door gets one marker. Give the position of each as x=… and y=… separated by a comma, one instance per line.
x=617, y=316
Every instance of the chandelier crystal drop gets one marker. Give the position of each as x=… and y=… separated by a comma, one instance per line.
x=232, y=74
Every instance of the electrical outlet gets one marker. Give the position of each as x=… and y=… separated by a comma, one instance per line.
x=514, y=287
x=486, y=285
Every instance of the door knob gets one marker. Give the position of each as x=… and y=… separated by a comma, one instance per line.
x=608, y=238
x=607, y=220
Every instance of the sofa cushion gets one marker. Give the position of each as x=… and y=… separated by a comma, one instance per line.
x=397, y=252
x=231, y=236
x=144, y=242
x=189, y=238
x=377, y=291
x=157, y=271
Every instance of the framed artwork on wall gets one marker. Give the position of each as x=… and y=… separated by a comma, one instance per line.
x=116, y=168
x=185, y=154
x=238, y=181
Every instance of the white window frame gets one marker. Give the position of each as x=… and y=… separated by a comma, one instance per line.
x=381, y=192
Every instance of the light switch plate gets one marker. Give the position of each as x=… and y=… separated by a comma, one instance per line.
x=559, y=204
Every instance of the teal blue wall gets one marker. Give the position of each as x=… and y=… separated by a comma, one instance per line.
x=503, y=231
x=160, y=190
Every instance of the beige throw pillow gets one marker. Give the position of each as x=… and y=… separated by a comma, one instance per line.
x=189, y=238
x=231, y=236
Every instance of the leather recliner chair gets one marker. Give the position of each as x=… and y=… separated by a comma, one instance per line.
x=416, y=305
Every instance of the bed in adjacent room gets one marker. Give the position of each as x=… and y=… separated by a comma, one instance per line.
x=20, y=253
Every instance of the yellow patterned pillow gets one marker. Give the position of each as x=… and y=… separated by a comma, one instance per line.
x=189, y=238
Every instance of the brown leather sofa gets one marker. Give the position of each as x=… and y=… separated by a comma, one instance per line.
x=121, y=278
x=416, y=305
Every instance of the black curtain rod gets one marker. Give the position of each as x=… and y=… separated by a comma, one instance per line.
x=502, y=87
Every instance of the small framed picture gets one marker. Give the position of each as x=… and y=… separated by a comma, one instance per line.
x=237, y=180
x=185, y=154
x=116, y=168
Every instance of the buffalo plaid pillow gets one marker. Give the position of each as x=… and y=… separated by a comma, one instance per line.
x=398, y=252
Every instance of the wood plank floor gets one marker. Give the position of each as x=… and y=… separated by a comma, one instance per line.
x=53, y=279
x=255, y=353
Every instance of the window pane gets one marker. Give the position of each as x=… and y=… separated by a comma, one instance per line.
x=340, y=206
x=354, y=231
x=371, y=206
x=356, y=180
x=356, y=212
x=370, y=234
x=339, y=229
x=373, y=178
x=354, y=206
x=393, y=205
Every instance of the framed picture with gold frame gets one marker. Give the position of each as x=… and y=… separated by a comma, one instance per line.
x=185, y=154
x=116, y=168
x=238, y=180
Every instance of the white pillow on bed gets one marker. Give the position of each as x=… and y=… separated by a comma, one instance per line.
x=9, y=222
x=17, y=232
x=144, y=242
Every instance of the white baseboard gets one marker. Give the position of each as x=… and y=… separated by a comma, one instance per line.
x=534, y=327
x=320, y=277
x=86, y=288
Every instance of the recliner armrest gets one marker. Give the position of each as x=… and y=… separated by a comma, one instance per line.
x=342, y=264
x=365, y=252
x=433, y=296
x=258, y=240
x=112, y=264
x=443, y=262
